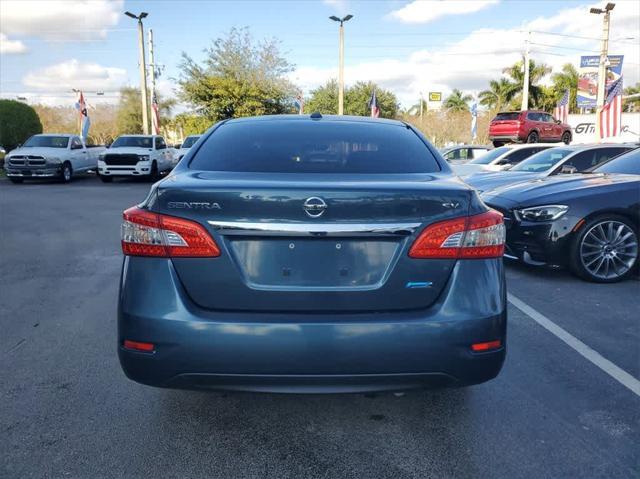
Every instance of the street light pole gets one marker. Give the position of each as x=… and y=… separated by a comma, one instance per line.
x=143, y=71
x=341, y=62
x=152, y=66
x=604, y=59
x=525, y=86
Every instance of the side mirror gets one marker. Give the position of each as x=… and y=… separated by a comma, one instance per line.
x=568, y=169
x=178, y=146
x=558, y=122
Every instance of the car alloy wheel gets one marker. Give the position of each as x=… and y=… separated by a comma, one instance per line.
x=533, y=137
x=566, y=138
x=608, y=250
x=66, y=173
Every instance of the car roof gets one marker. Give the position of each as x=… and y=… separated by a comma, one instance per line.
x=322, y=118
x=519, y=146
x=66, y=135
x=141, y=136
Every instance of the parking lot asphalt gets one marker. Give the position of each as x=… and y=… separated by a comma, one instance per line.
x=67, y=410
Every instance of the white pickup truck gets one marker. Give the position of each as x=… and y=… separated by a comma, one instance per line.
x=135, y=155
x=51, y=156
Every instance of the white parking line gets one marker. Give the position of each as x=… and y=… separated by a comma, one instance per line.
x=585, y=351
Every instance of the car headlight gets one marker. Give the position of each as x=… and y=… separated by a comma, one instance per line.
x=143, y=157
x=541, y=213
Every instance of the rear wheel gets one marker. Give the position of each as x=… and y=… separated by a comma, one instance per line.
x=497, y=144
x=15, y=180
x=153, y=175
x=605, y=250
x=566, y=138
x=66, y=173
x=533, y=137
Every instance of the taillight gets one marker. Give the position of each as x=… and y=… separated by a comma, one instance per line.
x=478, y=236
x=144, y=233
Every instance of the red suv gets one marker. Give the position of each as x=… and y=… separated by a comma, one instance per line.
x=529, y=126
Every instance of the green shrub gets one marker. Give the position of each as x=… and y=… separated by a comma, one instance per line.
x=18, y=122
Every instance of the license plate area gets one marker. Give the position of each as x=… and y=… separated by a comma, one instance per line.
x=314, y=263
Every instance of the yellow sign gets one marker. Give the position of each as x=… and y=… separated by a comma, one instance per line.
x=435, y=96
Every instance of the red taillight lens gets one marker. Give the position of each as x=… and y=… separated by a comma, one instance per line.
x=138, y=346
x=144, y=233
x=488, y=346
x=478, y=236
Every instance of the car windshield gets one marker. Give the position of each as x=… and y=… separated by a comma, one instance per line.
x=542, y=161
x=47, y=141
x=629, y=163
x=488, y=157
x=293, y=146
x=190, y=141
x=133, y=141
x=507, y=116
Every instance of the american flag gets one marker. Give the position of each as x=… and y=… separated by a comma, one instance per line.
x=474, y=120
x=373, y=104
x=561, y=112
x=155, y=115
x=611, y=112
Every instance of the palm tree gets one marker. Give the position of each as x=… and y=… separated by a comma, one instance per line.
x=497, y=95
x=536, y=73
x=457, y=101
x=567, y=79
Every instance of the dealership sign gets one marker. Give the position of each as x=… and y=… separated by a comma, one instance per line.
x=584, y=128
x=588, y=78
x=435, y=96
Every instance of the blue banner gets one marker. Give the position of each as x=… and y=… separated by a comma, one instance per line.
x=588, y=78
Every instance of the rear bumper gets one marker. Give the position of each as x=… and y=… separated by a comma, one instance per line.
x=514, y=138
x=310, y=353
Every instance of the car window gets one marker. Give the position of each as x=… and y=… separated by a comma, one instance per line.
x=520, y=154
x=190, y=141
x=133, y=142
x=47, y=141
x=76, y=143
x=160, y=144
x=542, y=161
x=491, y=155
x=629, y=163
x=477, y=152
x=314, y=147
x=591, y=158
x=548, y=118
x=533, y=116
x=507, y=116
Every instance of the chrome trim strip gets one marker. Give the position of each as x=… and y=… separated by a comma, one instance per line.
x=314, y=229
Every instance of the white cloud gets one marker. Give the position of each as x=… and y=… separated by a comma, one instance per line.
x=470, y=63
x=74, y=74
x=11, y=46
x=424, y=11
x=60, y=20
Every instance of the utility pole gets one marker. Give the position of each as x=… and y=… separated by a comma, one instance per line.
x=421, y=104
x=525, y=86
x=152, y=66
x=341, y=62
x=604, y=60
x=143, y=71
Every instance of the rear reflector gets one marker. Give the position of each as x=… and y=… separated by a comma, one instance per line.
x=478, y=236
x=144, y=233
x=138, y=346
x=480, y=347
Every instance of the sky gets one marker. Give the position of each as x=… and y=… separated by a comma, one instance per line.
x=49, y=47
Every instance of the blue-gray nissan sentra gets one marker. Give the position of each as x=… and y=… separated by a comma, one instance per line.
x=312, y=254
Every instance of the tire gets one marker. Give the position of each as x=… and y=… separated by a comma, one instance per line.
x=533, y=137
x=566, y=138
x=497, y=144
x=16, y=180
x=154, y=174
x=605, y=250
x=106, y=179
x=66, y=173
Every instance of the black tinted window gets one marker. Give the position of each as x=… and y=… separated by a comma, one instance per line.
x=627, y=164
x=291, y=146
x=507, y=116
x=520, y=154
x=133, y=141
x=591, y=158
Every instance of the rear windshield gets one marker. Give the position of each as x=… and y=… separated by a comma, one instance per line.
x=491, y=155
x=542, y=161
x=133, y=141
x=190, y=141
x=507, y=116
x=314, y=147
x=629, y=163
x=47, y=141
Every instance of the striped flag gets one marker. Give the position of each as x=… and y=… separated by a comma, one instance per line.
x=561, y=111
x=84, y=121
x=373, y=104
x=611, y=112
x=155, y=115
x=299, y=101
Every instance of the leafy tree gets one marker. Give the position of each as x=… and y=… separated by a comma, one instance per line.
x=498, y=95
x=632, y=104
x=536, y=73
x=324, y=99
x=129, y=113
x=190, y=124
x=457, y=101
x=238, y=78
x=567, y=78
x=18, y=121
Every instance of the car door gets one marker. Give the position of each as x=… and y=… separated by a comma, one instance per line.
x=164, y=162
x=555, y=128
x=78, y=155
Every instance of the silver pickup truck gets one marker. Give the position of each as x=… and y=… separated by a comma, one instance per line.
x=51, y=156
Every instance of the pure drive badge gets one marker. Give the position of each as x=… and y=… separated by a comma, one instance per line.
x=193, y=205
